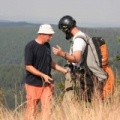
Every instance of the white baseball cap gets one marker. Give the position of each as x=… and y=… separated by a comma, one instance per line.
x=46, y=29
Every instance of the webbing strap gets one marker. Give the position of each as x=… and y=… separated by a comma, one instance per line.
x=69, y=88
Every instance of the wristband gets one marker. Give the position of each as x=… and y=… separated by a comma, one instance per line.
x=65, y=55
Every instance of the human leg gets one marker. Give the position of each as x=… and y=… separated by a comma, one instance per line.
x=33, y=94
x=87, y=86
x=46, y=99
x=31, y=110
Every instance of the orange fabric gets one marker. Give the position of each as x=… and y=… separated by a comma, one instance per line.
x=35, y=95
x=109, y=84
x=104, y=52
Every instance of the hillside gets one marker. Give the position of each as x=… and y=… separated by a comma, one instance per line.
x=14, y=37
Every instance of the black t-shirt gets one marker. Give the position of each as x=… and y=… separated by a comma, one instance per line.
x=39, y=56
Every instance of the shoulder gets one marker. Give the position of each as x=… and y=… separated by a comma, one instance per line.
x=79, y=41
x=79, y=37
x=30, y=44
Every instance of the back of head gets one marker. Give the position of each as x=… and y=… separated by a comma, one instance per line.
x=45, y=29
x=66, y=23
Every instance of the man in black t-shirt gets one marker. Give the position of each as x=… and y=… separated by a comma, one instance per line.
x=39, y=84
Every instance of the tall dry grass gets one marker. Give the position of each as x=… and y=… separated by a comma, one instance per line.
x=108, y=109
x=69, y=110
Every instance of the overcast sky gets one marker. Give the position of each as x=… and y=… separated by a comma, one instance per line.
x=84, y=11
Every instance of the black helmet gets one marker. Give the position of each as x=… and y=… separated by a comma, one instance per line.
x=66, y=23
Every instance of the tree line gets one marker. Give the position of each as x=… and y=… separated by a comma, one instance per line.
x=13, y=40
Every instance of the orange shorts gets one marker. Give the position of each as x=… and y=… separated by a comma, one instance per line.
x=35, y=95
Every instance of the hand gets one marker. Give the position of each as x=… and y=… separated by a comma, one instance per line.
x=67, y=70
x=58, y=50
x=47, y=79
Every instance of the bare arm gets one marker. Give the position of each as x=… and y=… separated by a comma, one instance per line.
x=71, y=58
x=34, y=71
x=58, y=67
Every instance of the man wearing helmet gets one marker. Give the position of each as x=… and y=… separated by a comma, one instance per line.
x=68, y=25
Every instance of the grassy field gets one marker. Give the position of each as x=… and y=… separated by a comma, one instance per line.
x=65, y=110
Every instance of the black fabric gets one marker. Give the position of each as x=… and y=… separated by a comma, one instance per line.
x=87, y=86
x=69, y=88
x=39, y=56
x=98, y=41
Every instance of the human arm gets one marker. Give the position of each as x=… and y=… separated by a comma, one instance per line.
x=36, y=72
x=75, y=58
x=59, y=68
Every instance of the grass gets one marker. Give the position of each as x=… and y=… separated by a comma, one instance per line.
x=69, y=110
x=97, y=110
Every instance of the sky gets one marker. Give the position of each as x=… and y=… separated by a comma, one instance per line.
x=85, y=12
